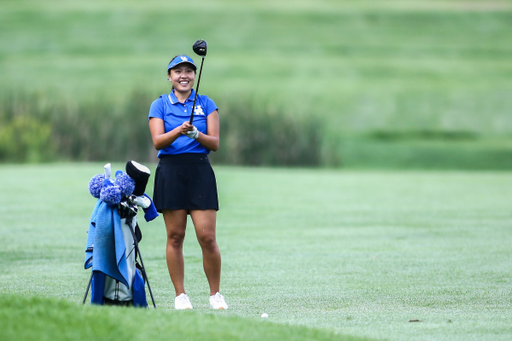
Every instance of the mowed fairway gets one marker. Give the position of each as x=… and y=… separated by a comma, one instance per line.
x=358, y=253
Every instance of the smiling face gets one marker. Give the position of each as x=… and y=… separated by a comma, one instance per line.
x=182, y=77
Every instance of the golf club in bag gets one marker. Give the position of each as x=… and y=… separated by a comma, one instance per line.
x=200, y=48
x=117, y=278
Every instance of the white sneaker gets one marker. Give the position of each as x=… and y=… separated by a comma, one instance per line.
x=217, y=302
x=182, y=302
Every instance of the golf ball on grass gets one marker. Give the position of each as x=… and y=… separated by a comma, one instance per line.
x=264, y=315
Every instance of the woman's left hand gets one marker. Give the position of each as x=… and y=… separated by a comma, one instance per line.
x=193, y=134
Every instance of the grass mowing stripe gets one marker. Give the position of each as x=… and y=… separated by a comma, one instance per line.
x=359, y=253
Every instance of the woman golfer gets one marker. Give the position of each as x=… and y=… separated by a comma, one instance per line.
x=184, y=180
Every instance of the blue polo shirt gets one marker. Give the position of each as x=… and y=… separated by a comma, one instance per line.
x=173, y=113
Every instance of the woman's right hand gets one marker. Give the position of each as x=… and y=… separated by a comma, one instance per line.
x=186, y=127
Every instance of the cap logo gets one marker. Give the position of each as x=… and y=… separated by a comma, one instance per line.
x=183, y=58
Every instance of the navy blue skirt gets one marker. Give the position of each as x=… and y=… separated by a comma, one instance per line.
x=185, y=181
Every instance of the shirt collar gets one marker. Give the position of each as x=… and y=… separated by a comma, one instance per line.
x=173, y=99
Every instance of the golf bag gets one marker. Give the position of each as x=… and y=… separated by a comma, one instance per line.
x=118, y=276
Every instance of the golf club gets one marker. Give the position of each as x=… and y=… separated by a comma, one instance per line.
x=199, y=48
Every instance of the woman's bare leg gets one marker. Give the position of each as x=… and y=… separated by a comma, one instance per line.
x=205, y=224
x=175, y=224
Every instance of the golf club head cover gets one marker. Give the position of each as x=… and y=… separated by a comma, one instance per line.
x=110, y=193
x=96, y=184
x=150, y=212
x=140, y=174
x=125, y=182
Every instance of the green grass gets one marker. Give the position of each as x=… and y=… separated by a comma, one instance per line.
x=416, y=152
x=357, y=65
x=60, y=320
x=353, y=67
x=357, y=253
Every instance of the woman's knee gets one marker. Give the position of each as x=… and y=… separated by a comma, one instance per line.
x=175, y=239
x=208, y=241
x=175, y=223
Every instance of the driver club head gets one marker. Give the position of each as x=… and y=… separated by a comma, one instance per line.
x=200, y=47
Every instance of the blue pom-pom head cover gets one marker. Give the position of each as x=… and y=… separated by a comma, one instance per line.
x=110, y=193
x=125, y=182
x=96, y=184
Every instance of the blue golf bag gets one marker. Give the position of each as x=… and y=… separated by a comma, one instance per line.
x=118, y=276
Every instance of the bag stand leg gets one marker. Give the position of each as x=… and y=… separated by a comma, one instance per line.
x=144, y=275
x=88, y=287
